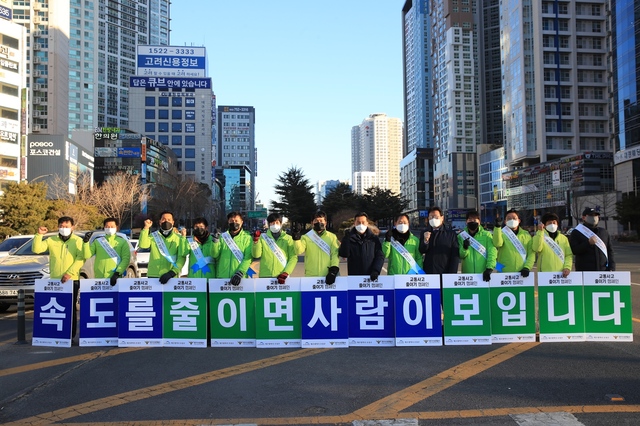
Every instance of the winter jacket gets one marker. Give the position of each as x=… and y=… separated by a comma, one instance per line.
x=397, y=265
x=548, y=260
x=441, y=253
x=65, y=257
x=589, y=257
x=363, y=252
x=508, y=255
x=270, y=266
x=472, y=261
x=201, y=271
x=227, y=263
x=316, y=261
x=104, y=265
x=158, y=265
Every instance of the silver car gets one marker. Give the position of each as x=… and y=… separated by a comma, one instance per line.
x=21, y=269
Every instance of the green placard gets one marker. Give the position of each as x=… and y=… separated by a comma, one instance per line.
x=561, y=308
x=185, y=313
x=467, y=316
x=513, y=315
x=278, y=313
x=607, y=306
x=232, y=313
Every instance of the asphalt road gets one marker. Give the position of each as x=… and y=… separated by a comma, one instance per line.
x=513, y=384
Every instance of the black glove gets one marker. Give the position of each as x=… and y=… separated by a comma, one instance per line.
x=87, y=237
x=387, y=236
x=282, y=277
x=166, y=277
x=296, y=233
x=114, y=278
x=499, y=221
x=486, y=275
x=374, y=275
x=236, y=278
x=524, y=272
x=331, y=276
x=465, y=244
x=215, y=237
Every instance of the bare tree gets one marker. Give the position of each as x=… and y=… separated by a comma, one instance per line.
x=117, y=196
x=184, y=197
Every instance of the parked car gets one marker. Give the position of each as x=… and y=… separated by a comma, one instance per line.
x=13, y=243
x=22, y=268
x=142, y=256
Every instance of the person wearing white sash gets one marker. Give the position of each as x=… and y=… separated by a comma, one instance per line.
x=362, y=249
x=554, y=251
x=168, y=249
x=401, y=247
x=112, y=252
x=591, y=245
x=232, y=251
x=514, y=245
x=477, y=252
x=275, y=249
x=201, y=264
x=320, y=248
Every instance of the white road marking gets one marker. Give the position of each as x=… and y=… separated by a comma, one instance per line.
x=546, y=419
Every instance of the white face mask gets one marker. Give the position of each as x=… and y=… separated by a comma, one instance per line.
x=552, y=227
x=402, y=228
x=592, y=220
x=65, y=232
x=275, y=228
x=513, y=223
x=109, y=231
x=435, y=223
x=361, y=228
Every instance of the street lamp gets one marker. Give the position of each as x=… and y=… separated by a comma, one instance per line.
x=41, y=176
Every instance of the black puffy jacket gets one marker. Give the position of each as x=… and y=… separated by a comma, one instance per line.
x=363, y=252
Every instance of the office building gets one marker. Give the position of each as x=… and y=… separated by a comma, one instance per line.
x=376, y=151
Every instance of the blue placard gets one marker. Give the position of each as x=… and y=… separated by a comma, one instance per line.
x=325, y=313
x=371, y=304
x=99, y=307
x=171, y=62
x=129, y=152
x=418, y=313
x=52, y=313
x=170, y=82
x=140, y=312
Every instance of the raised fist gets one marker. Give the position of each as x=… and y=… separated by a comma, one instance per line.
x=148, y=223
x=42, y=230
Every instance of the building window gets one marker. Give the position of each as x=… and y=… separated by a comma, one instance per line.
x=176, y=102
x=176, y=127
x=149, y=127
x=163, y=114
x=189, y=140
x=163, y=101
x=190, y=102
x=178, y=152
x=149, y=101
x=176, y=140
x=189, y=166
x=190, y=115
x=163, y=139
x=176, y=114
x=189, y=153
x=163, y=127
x=150, y=114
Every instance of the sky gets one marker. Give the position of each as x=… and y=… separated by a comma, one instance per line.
x=311, y=69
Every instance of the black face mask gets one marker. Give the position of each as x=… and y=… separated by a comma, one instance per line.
x=473, y=226
x=234, y=226
x=199, y=232
x=318, y=227
x=166, y=226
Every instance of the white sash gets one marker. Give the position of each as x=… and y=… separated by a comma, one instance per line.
x=516, y=242
x=277, y=251
x=319, y=242
x=113, y=254
x=589, y=233
x=237, y=253
x=474, y=243
x=554, y=246
x=162, y=248
x=202, y=263
x=402, y=251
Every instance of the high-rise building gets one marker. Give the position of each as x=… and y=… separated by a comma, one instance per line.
x=555, y=97
x=376, y=147
x=456, y=102
x=237, y=150
x=13, y=82
x=416, y=167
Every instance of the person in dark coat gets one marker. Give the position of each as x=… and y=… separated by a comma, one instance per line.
x=439, y=246
x=591, y=246
x=362, y=248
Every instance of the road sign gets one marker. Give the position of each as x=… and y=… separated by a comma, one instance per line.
x=257, y=214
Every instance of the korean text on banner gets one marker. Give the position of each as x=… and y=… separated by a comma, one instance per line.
x=185, y=313
x=232, y=313
x=371, y=304
x=561, y=307
x=278, y=313
x=513, y=308
x=98, y=313
x=52, y=313
x=140, y=312
x=418, y=316
x=325, y=313
x=467, y=315
x=607, y=306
